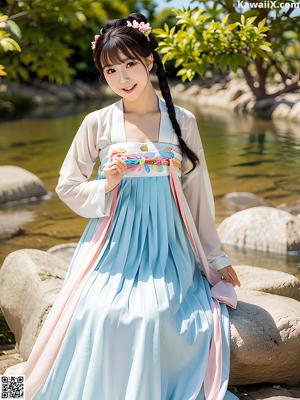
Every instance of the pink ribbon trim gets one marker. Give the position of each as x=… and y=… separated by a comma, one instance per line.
x=221, y=292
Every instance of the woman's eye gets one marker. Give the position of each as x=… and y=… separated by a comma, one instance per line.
x=111, y=69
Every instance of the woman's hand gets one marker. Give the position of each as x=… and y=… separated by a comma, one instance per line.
x=229, y=275
x=114, y=171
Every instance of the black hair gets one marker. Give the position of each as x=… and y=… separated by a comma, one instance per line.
x=115, y=38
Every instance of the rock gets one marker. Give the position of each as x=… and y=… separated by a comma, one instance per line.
x=194, y=90
x=266, y=103
x=242, y=200
x=10, y=222
x=268, y=281
x=295, y=112
x=291, y=98
x=30, y=281
x=216, y=88
x=64, y=251
x=234, y=93
x=268, y=392
x=262, y=228
x=179, y=88
x=293, y=209
x=17, y=183
x=83, y=88
x=281, y=110
x=242, y=101
x=265, y=339
x=60, y=91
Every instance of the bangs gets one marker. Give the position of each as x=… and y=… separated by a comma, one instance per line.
x=115, y=51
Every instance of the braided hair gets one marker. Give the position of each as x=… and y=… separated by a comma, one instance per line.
x=115, y=37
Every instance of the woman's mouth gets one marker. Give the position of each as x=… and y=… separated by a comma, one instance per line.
x=130, y=89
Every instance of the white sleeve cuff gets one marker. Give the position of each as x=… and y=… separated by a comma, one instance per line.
x=105, y=200
x=220, y=261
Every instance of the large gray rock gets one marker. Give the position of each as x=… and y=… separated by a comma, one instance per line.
x=269, y=281
x=265, y=328
x=29, y=283
x=242, y=200
x=265, y=339
x=10, y=222
x=262, y=228
x=16, y=184
x=295, y=112
x=65, y=251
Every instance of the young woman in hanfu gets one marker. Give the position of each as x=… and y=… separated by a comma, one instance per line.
x=142, y=313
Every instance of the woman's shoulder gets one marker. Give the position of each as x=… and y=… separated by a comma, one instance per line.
x=184, y=112
x=96, y=116
x=186, y=119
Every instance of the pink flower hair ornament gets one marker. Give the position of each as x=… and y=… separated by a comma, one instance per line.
x=141, y=26
x=95, y=41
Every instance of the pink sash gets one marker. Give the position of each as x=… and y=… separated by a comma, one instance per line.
x=221, y=292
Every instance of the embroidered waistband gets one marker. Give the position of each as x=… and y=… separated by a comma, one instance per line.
x=141, y=165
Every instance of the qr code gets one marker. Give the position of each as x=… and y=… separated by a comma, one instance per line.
x=12, y=387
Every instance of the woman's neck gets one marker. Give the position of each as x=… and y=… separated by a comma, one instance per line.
x=146, y=103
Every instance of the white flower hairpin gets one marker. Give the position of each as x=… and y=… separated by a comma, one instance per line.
x=141, y=26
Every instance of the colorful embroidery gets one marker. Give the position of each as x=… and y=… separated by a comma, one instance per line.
x=146, y=161
x=138, y=162
x=118, y=150
x=144, y=147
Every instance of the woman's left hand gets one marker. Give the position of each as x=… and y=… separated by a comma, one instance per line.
x=229, y=275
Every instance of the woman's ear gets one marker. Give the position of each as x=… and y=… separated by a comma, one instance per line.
x=149, y=62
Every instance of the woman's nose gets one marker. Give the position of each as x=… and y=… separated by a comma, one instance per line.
x=123, y=77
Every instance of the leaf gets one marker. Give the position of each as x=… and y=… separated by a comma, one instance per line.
x=9, y=44
x=2, y=70
x=265, y=48
x=3, y=18
x=14, y=28
x=232, y=26
x=250, y=20
x=261, y=23
x=159, y=31
x=182, y=71
x=234, y=62
x=224, y=20
x=223, y=60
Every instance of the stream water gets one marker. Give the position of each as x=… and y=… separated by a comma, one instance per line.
x=242, y=153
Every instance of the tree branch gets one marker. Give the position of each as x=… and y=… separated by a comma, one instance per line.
x=288, y=88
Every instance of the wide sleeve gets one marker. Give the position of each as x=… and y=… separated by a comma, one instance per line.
x=198, y=192
x=84, y=197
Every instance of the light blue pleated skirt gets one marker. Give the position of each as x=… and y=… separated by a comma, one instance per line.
x=142, y=327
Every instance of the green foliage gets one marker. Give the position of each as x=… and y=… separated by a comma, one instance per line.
x=7, y=43
x=56, y=35
x=262, y=42
x=197, y=41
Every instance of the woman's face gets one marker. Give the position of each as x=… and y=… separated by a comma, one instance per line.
x=131, y=73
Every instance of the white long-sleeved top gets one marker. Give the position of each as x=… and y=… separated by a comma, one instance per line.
x=198, y=192
x=88, y=198
x=84, y=197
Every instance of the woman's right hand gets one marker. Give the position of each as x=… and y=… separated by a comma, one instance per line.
x=114, y=171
